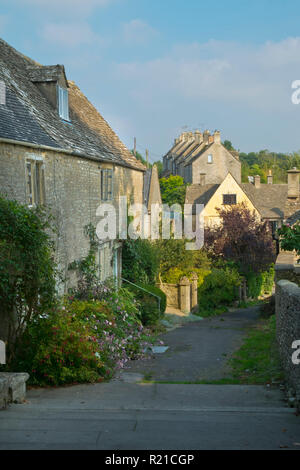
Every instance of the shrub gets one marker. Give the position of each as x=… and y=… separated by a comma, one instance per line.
x=290, y=237
x=150, y=313
x=140, y=261
x=82, y=341
x=219, y=289
x=27, y=268
x=59, y=349
x=260, y=283
x=174, y=275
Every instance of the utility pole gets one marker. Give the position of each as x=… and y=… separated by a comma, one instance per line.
x=134, y=148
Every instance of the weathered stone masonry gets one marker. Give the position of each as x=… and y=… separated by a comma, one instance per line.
x=72, y=193
x=288, y=321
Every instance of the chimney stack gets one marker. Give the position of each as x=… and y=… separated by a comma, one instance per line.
x=217, y=137
x=206, y=135
x=270, y=177
x=257, y=181
x=293, y=183
x=198, y=137
x=202, y=179
x=211, y=139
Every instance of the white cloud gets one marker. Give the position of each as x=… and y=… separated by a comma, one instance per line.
x=138, y=32
x=70, y=34
x=255, y=76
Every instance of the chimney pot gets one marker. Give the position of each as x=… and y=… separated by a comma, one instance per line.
x=198, y=137
x=270, y=177
x=217, y=137
x=257, y=181
x=206, y=135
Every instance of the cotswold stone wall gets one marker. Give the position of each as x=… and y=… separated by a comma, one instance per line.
x=182, y=296
x=288, y=322
x=72, y=193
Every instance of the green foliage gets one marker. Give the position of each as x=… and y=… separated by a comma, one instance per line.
x=228, y=145
x=139, y=157
x=27, y=268
x=82, y=341
x=150, y=313
x=260, y=283
x=160, y=167
x=140, y=261
x=257, y=361
x=290, y=237
x=259, y=163
x=60, y=348
x=173, y=190
x=86, y=268
x=174, y=275
x=219, y=289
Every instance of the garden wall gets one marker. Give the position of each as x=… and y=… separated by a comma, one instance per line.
x=288, y=320
x=182, y=296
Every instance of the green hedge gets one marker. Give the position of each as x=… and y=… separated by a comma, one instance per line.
x=150, y=313
x=218, y=290
x=261, y=283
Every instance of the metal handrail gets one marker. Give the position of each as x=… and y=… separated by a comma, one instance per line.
x=145, y=290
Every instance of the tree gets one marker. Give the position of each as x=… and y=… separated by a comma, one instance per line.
x=228, y=145
x=27, y=269
x=242, y=239
x=173, y=190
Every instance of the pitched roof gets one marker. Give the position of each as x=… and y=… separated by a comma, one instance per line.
x=200, y=194
x=29, y=117
x=269, y=199
x=196, y=155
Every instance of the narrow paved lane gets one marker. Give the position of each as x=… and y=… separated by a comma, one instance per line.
x=128, y=416
x=198, y=351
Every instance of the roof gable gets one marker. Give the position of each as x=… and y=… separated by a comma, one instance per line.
x=87, y=135
x=228, y=186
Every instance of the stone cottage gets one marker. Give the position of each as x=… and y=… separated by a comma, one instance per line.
x=201, y=159
x=56, y=149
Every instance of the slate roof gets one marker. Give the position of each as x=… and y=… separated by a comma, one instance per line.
x=200, y=194
x=29, y=117
x=196, y=155
x=269, y=199
x=46, y=73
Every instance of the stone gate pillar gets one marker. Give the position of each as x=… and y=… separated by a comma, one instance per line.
x=194, y=291
x=185, y=295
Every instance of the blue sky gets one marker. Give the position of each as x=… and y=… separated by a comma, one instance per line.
x=154, y=68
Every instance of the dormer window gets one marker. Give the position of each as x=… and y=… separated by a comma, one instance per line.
x=63, y=103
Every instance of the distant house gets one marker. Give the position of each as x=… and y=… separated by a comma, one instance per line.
x=56, y=149
x=271, y=202
x=200, y=158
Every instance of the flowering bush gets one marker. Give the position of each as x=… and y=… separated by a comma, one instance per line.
x=83, y=341
x=290, y=237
